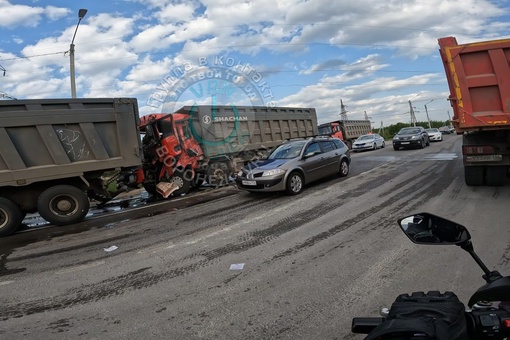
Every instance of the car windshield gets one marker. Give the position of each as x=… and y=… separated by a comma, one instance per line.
x=325, y=130
x=366, y=137
x=409, y=131
x=432, y=130
x=287, y=151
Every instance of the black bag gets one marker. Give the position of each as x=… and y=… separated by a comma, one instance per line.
x=431, y=316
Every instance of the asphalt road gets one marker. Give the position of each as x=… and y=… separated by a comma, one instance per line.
x=245, y=266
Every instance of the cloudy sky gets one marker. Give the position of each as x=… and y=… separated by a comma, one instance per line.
x=373, y=55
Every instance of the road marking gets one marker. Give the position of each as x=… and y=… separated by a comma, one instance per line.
x=3, y=283
x=81, y=267
x=447, y=156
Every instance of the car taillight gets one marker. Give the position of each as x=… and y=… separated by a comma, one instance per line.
x=478, y=150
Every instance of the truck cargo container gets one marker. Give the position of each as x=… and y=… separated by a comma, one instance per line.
x=477, y=75
x=346, y=130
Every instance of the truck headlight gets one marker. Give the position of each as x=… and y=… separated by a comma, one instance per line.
x=273, y=172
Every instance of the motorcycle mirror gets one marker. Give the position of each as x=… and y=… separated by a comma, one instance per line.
x=425, y=228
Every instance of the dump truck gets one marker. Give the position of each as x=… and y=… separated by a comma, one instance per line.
x=477, y=74
x=198, y=144
x=346, y=130
x=58, y=155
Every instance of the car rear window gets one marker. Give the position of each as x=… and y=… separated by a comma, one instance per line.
x=339, y=144
x=327, y=146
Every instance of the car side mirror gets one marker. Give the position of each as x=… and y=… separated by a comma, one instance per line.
x=310, y=154
x=425, y=228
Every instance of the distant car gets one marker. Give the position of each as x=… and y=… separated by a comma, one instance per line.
x=434, y=135
x=411, y=137
x=445, y=130
x=368, y=142
x=295, y=163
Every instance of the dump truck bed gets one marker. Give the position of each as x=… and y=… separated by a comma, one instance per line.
x=52, y=139
x=478, y=77
x=224, y=130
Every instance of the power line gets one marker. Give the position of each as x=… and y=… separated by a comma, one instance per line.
x=32, y=56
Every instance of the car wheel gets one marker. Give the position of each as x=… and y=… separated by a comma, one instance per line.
x=422, y=144
x=294, y=183
x=428, y=142
x=395, y=147
x=375, y=146
x=382, y=145
x=344, y=168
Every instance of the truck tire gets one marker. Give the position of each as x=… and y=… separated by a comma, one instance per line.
x=495, y=175
x=218, y=173
x=474, y=175
x=150, y=188
x=11, y=217
x=182, y=182
x=63, y=205
x=294, y=184
x=349, y=144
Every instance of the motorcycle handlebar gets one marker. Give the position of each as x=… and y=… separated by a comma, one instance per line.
x=482, y=324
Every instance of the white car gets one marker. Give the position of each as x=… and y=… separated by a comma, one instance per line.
x=368, y=142
x=435, y=135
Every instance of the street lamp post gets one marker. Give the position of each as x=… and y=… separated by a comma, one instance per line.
x=81, y=14
x=427, y=112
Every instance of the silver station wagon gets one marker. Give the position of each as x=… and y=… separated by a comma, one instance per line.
x=294, y=164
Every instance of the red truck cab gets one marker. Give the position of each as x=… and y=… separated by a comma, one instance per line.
x=331, y=129
x=171, y=153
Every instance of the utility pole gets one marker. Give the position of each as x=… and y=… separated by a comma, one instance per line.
x=413, y=117
x=381, y=129
x=343, y=112
x=81, y=14
x=3, y=69
x=427, y=112
x=449, y=118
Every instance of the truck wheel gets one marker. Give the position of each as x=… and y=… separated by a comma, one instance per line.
x=63, y=205
x=218, y=173
x=495, y=175
x=294, y=183
x=150, y=188
x=349, y=144
x=344, y=168
x=473, y=175
x=10, y=217
x=182, y=182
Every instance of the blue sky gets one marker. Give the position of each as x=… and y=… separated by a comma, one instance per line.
x=374, y=56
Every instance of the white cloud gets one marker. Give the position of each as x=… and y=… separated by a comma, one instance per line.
x=19, y=15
